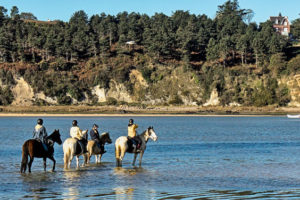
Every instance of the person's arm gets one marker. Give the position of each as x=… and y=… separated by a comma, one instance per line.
x=44, y=134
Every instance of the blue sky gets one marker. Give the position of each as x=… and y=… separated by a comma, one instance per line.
x=63, y=9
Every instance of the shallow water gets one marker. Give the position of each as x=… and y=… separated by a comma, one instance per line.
x=194, y=158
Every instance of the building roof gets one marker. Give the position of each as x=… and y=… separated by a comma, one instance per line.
x=278, y=19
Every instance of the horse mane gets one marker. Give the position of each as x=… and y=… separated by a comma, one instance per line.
x=103, y=134
x=143, y=133
x=52, y=134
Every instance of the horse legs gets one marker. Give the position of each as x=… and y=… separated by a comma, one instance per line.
x=99, y=158
x=24, y=163
x=54, y=161
x=89, y=158
x=119, y=159
x=44, y=159
x=134, y=159
x=30, y=163
x=77, y=161
x=141, y=156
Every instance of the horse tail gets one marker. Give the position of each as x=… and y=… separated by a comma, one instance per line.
x=67, y=154
x=25, y=154
x=118, y=153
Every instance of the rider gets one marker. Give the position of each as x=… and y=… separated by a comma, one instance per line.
x=77, y=134
x=132, y=134
x=40, y=134
x=95, y=136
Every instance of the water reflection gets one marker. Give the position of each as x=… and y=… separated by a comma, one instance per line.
x=72, y=175
x=123, y=193
x=129, y=171
x=71, y=193
x=39, y=185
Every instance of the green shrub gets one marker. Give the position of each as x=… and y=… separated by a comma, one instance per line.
x=111, y=101
x=283, y=96
x=176, y=100
x=277, y=64
x=6, y=96
x=64, y=100
x=294, y=65
x=146, y=73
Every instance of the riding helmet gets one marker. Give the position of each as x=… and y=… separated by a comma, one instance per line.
x=74, y=122
x=130, y=122
x=95, y=125
x=40, y=121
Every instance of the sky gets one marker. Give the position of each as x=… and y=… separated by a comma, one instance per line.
x=64, y=9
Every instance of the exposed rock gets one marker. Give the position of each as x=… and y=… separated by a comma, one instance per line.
x=294, y=87
x=213, y=100
x=100, y=93
x=47, y=99
x=137, y=77
x=119, y=92
x=23, y=93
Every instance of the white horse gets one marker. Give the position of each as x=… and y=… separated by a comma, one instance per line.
x=93, y=148
x=122, y=146
x=72, y=148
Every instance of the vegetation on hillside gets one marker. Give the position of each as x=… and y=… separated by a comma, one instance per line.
x=240, y=59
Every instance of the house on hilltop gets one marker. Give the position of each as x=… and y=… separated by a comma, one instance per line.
x=281, y=24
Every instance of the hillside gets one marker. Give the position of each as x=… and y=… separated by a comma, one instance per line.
x=137, y=60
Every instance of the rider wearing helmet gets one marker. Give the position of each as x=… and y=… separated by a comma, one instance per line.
x=40, y=133
x=132, y=134
x=76, y=133
x=96, y=137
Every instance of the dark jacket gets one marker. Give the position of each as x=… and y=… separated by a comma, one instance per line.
x=95, y=135
x=40, y=133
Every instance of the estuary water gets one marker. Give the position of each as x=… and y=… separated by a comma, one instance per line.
x=193, y=158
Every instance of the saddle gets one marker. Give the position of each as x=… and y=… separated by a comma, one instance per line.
x=46, y=146
x=80, y=147
x=134, y=145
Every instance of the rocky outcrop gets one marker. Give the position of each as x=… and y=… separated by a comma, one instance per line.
x=294, y=86
x=23, y=93
x=213, y=100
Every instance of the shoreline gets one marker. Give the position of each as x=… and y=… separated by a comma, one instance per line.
x=131, y=115
x=126, y=111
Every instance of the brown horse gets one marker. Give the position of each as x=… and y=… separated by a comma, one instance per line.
x=93, y=148
x=34, y=148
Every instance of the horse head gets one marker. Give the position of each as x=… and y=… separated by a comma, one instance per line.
x=151, y=133
x=106, y=138
x=55, y=137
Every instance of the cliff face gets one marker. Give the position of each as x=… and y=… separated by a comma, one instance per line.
x=165, y=85
x=293, y=84
x=176, y=87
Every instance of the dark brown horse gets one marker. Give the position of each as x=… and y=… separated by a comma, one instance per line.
x=34, y=148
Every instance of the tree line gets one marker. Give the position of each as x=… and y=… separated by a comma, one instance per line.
x=229, y=53
x=229, y=37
